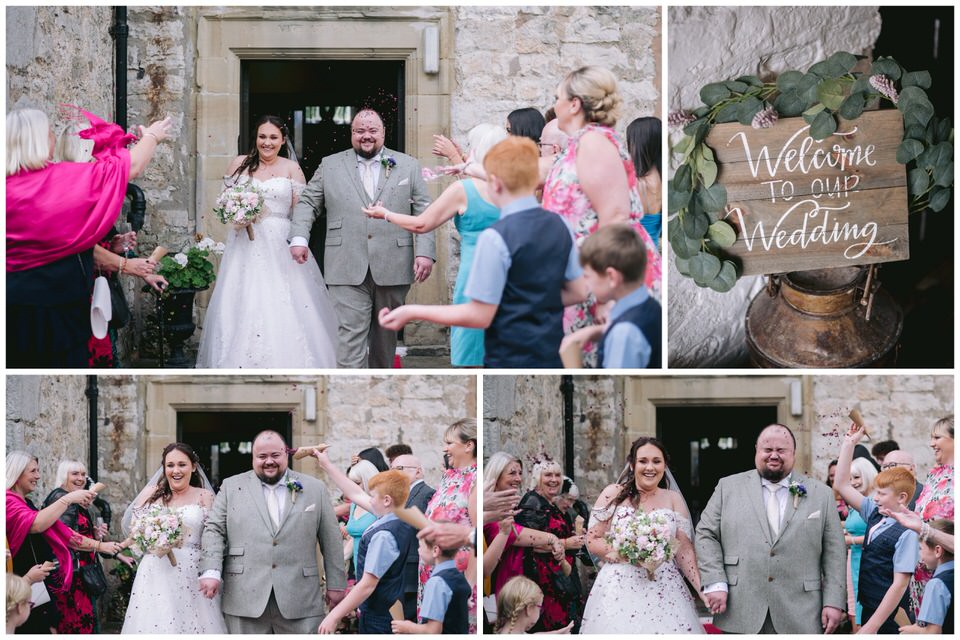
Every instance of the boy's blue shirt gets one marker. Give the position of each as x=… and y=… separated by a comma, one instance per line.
x=907, y=553
x=491, y=258
x=436, y=594
x=625, y=346
x=936, y=598
x=382, y=550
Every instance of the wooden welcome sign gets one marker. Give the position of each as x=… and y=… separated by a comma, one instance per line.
x=797, y=203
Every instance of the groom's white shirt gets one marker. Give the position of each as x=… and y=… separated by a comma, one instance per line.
x=281, y=502
x=782, y=495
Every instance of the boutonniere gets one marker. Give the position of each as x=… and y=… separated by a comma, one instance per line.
x=387, y=162
x=798, y=491
x=295, y=487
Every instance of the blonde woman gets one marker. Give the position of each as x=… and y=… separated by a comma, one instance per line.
x=593, y=183
x=18, y=602
x=468, y=203
x=862, y=475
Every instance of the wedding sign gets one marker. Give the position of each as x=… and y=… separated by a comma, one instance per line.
x=797, y=203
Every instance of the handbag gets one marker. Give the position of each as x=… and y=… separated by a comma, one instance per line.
x=94, y=582
x=121, y=309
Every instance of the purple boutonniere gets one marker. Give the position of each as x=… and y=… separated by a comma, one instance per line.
x=388, y=162
x=295, y=487
x=798, y=491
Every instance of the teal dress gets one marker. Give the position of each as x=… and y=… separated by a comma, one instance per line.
x=855, y=526
x=466, y=345
x=356, y=527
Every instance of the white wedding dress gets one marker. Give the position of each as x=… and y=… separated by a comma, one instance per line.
x=167, y=599
x=267, y=311
x=624, y=600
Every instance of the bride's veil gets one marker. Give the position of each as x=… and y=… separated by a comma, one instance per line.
x=152, y=482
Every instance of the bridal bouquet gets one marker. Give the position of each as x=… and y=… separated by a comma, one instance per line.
x=159, y=531
x=241, y=205
x=643, y=539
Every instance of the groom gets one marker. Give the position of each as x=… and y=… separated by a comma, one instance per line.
x=770, y=547
x=258, y=542
x=368, y=264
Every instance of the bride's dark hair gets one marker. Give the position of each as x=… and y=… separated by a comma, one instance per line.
x=628, y=488
x=252, y=162
x=163, y=491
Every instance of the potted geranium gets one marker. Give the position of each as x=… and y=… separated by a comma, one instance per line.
x=186, y=272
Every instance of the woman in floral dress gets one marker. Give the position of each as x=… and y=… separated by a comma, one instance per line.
x=453, y=498
x=936, y=500
x=538, y=510
x=593, y=182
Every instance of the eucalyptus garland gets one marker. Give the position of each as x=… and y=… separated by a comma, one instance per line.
x=698, y=234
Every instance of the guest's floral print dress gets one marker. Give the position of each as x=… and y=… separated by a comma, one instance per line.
x=451, y=502
x=563, y=194
x=935, y=503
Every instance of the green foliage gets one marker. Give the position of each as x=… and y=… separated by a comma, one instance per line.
x=829, y=89
x=198, y=273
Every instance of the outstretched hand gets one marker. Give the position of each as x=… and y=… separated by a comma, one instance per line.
x=376, y=210
x=393, y=319
x=855, y=434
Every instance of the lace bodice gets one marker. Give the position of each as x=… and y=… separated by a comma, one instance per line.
x=278, y=194
x=194, y=515
x=625, y=510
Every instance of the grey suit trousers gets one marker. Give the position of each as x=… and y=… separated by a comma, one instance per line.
x=359, y=329
x=272, y=621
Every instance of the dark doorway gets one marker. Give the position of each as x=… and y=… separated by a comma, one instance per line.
x=921, y=39
x=223, y=439
x=318, y=99
x=707, y=443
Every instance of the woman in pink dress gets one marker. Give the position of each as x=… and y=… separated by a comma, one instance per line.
x=593, y=182
x=454, y=501
x=936, y=499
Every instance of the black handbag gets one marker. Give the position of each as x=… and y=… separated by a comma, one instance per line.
x=94, y=582
x=118, y=301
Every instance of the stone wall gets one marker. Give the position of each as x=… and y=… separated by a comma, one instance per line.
x=708, y=44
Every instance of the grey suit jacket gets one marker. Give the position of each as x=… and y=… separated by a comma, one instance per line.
x=419, y=497
x=355, y=242
x=240, y=541
x=793, y=576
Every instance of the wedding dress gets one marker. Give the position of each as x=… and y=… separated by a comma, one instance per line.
x=167, y=599
x=268, y=311
x=624, y=599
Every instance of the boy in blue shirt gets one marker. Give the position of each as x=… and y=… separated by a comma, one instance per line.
x=446, y=595
x=936, y=607
x=525, y=270
x=614, y=260
x=890, y=550
x=383, y=549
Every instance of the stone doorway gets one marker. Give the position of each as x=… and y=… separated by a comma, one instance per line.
x=707, y=443
x=224, y=439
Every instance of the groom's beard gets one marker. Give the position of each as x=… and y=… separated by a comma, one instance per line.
x=774, y=476
x=367, y=155
x=274, y=480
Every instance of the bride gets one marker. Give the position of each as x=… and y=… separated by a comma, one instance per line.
x=166, y=598
x=623, y=598
x=267, y=311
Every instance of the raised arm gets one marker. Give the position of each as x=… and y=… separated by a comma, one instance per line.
x=841, y=482
x=48, y=515
x=451, y=202
x=345, y=484
x=142, y=152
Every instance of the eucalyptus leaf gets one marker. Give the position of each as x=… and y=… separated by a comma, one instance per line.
x=704, y=267
x=683, y=265
x=748, y=108
x=699, y=112
x=683, y=145
x=680, y=244
x=753, y=81
x=726, y=279
x=698, y=130
x=722, y=234
x=790, y=103
x=944, y=130
x=683, y=178
x=728, y=113
x=788, y=80
x=911, y=95
x=918, y=181
x=916, y=79
x=831, y=93
x=887, y=67
x=908, y=150
x=862, y=84
x=939, y=199
x=814, y=110
x=695, y=224
x=823, y=125
x=713, y=199
x=852, y=106
x=823, y=70
x=736, y=86
x=943, y=175
x=915, y=132
x=713, y=93
x=677, y=200
x=918, y=113
x=842, y=62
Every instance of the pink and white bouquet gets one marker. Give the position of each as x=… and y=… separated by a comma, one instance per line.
x=642, y=539
x=159, y=531
x=241, y=205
